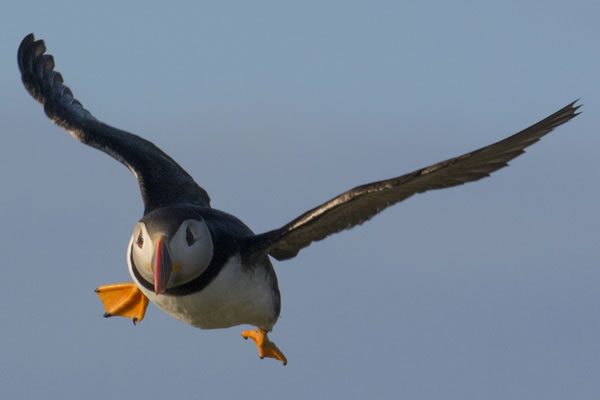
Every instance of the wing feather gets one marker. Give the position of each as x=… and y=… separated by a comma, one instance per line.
x=361, y=203
x=162, y=181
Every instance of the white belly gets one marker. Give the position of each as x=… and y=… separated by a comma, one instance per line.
x=236, y=296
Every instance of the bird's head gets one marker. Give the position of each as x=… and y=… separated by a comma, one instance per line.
x=170, y=247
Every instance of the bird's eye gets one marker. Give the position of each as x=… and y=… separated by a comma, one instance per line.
x=189, y=236
x=140, y=240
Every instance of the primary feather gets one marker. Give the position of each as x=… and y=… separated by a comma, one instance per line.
x=363, y=202
x=162, y=181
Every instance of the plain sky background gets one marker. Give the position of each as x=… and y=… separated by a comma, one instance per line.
x=486, y=291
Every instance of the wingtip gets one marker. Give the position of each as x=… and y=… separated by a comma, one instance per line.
x=566, y=113
x=39, y=48
x=575, y=106
x=28, y=51
x=30, y=38
x=25, y=43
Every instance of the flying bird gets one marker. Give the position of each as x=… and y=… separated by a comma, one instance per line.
x=206, y=267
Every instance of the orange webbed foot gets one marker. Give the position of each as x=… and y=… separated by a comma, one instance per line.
x=266, y=348
x=123, y=300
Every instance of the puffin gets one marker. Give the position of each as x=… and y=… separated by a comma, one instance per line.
x=205, y=267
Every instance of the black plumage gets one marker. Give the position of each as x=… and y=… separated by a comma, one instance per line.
x=164, y=183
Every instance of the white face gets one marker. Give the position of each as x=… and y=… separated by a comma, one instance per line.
x=190, y=249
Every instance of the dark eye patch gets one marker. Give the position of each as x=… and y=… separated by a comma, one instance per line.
x=140, y=240
x=189, y=236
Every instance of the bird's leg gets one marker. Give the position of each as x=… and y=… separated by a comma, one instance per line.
x=266, y=348
x=124, y=300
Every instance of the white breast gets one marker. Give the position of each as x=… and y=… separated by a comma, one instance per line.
x=236, y=296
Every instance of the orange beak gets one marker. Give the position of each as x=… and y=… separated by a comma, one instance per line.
x=162, y=266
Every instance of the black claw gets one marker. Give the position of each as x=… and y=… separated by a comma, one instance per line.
x=135, y=320
x=107, y=315
x=96, y=290
x=262, y=358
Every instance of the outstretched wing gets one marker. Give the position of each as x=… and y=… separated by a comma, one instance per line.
x=162, y=181
x=361, y=203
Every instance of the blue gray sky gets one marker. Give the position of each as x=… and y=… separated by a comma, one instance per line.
x=490, y=290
